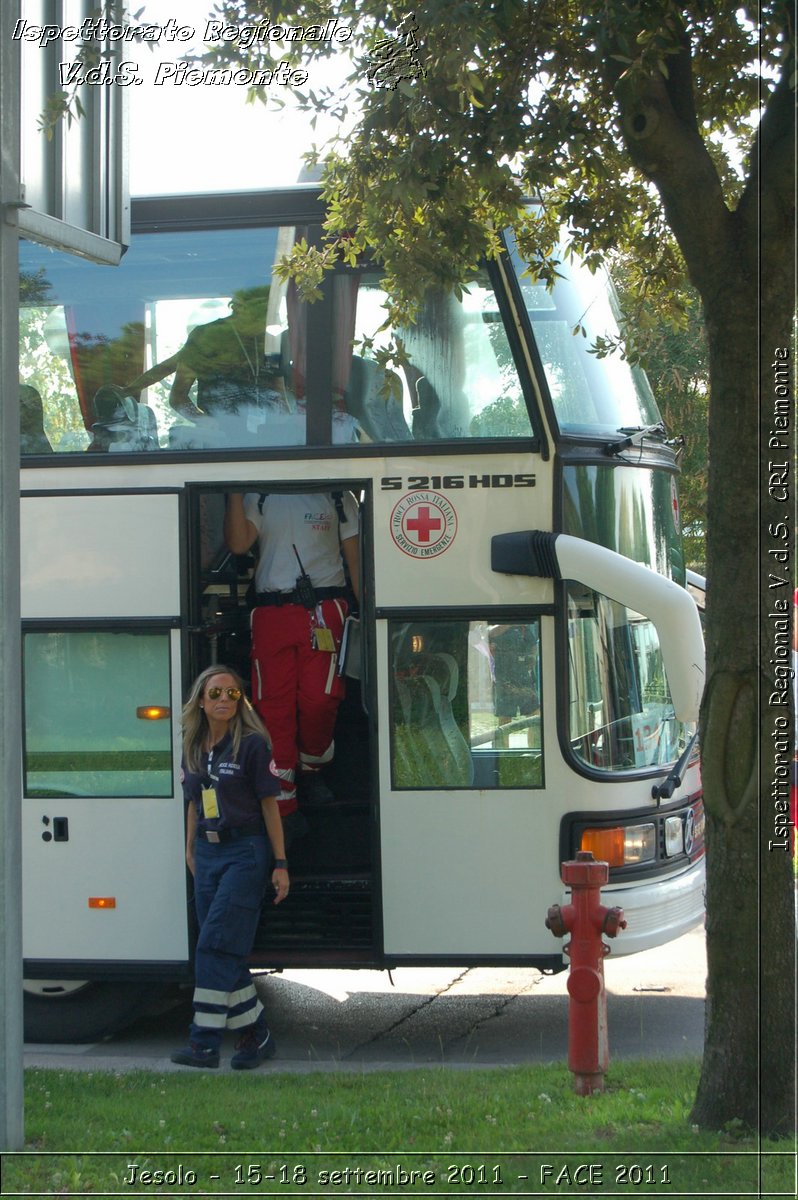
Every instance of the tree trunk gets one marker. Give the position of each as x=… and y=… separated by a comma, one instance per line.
x=741, y=262
x=749, y=1052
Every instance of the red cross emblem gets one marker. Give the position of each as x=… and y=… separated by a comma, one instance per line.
x=423, y=524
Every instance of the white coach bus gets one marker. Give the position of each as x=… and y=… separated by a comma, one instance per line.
x=530, y=662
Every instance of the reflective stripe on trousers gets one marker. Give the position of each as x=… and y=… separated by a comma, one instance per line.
x=229, y=885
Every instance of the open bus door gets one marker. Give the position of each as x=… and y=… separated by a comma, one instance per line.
x=333, y=881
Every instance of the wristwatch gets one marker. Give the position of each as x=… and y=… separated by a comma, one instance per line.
x=281, y=864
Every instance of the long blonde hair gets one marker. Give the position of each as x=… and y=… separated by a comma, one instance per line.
x=245, y=720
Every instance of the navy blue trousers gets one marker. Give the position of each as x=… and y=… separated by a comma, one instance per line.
x=229, y=884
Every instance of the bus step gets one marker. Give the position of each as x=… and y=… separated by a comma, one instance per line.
x=321, y=912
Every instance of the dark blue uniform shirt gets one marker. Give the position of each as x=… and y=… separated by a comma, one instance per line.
x=240, y=785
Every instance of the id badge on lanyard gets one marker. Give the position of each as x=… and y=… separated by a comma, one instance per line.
x=210, y=801
x=321, y=638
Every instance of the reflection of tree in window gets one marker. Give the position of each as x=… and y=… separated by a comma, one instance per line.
x=435, y=347
x=516, y=690
x=34, y=287
x=47, y=370
x=506, y=417
x=566, y=378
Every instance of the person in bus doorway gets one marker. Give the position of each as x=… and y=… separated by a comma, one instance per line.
x=234, y=841
x=297, y=622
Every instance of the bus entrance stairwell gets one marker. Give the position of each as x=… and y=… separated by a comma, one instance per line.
x=330, y=852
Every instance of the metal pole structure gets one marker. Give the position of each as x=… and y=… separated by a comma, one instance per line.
x=11, y=1023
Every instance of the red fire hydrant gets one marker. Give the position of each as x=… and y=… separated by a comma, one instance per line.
x=586, y=919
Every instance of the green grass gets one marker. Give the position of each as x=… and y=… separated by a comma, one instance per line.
x=474, y=1132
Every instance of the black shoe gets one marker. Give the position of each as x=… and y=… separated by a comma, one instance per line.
x=313, y=790
x=253, y=1048
x=195, y=1055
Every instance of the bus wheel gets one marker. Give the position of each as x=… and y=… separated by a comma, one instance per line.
x=68, y=1010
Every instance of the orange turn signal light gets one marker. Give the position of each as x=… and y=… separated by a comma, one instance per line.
x=153, y=712
x=606, y=845
x=102, y=901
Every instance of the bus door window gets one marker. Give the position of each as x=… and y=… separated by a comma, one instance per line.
x=465, y=704
x=222, y=617
x=516, y=682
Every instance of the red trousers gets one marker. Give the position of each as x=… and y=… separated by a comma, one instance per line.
x=296, y=689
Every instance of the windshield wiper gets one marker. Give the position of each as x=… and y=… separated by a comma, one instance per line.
x=664, y=790
x=635, y=435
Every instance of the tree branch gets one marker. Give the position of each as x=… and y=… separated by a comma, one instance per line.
x=771, y=179
x=662, y=139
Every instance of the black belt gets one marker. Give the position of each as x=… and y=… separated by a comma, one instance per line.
x=280, y=598
x=232, y=834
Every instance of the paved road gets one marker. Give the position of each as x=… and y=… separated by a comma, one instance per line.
x=478, y=1017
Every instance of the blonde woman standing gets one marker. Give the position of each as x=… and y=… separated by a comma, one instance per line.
x=234, y=840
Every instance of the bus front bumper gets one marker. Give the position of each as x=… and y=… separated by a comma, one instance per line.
x=657, y=912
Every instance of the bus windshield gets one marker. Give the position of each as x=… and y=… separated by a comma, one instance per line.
x=588, y=395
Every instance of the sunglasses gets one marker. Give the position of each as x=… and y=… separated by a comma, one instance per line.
x=215, y=692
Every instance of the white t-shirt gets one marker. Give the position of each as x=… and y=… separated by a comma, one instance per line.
x=309, y=522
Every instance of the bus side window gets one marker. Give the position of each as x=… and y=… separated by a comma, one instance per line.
x=459, y=377
x=96, y=712
x=49, y=403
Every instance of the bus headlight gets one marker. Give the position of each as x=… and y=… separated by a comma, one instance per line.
x=674, y=836
x=623, y=845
